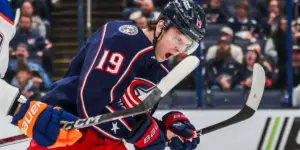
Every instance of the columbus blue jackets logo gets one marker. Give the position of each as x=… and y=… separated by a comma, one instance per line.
x=137, y=91
x=129, y=29
x=1, y=40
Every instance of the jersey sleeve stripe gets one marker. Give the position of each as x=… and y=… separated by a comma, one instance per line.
x=122, y=120
x=85, y=78
x=139, y=54
x=164, y=68
x=83, y=85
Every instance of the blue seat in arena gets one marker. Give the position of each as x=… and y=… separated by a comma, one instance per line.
x=219, y=99
x=209, y=42
x=184, y=99
x=213, y=30
x=166, y=102
x=271, y=99
x=242, y=43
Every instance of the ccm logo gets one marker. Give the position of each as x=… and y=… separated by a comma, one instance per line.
x=151, y=134
x=29, y=116
x=1, y=40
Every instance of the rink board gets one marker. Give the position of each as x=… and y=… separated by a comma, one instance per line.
x=266, y=130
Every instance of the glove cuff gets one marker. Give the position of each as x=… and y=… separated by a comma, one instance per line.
x=172, y=117
x=146, y=134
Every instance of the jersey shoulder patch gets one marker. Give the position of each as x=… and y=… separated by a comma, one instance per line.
x=129, y=29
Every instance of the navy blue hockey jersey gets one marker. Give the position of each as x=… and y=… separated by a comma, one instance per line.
x=113, y=68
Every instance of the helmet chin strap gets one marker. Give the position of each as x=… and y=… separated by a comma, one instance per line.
x=156, y=38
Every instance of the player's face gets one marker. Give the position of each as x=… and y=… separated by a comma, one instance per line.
x=172, y=43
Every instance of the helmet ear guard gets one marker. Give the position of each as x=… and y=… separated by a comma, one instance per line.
x=167, y=24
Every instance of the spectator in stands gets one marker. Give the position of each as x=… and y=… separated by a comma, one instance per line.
x=265, y=62
x=22, y=56
x=215, y=13
x=37, y=23
x=42, y=8
x=252, y=57
x=275, y=45
x=26, y=82
x=36, y=43
x=146, y=10
x=276, y=49
x=223, y=72
x=244, y=27
x=160, y=3
x=128, y=7
x=141, y=22
x=38, y=46
x=269, y=23
x=296, y=96
x=226, y=42
x=296, y=64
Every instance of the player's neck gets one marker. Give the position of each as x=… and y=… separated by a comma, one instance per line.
x=149, y=34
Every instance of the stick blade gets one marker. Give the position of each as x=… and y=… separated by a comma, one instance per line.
x=257, y=87
x=177, y=74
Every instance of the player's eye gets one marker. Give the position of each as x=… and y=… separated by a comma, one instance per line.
x=178, y=39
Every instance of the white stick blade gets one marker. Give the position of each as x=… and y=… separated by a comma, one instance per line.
x=257, y=87
x=184, y=68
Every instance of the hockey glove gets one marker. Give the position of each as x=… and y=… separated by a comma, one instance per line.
x=42, y=123
x=147, y=136
x=180, y=133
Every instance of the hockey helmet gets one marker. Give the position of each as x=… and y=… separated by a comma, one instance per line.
x=188, y=17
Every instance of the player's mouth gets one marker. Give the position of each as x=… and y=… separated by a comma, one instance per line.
x=168, y=55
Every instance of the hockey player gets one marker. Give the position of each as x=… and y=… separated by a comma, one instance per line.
x=114, y=70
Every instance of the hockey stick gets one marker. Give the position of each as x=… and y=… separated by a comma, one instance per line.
x=184, y=68
x=13, y=140
x=253, y=101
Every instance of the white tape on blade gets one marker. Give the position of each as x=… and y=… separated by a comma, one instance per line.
x=257, y=87
x=184, y=68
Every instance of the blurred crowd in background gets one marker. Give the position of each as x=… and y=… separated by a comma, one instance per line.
x=239, y=34
x=31, y=51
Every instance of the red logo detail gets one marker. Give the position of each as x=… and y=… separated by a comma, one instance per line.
x=199, y=23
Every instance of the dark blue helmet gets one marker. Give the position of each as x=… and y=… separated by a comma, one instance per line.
x=187, y=16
